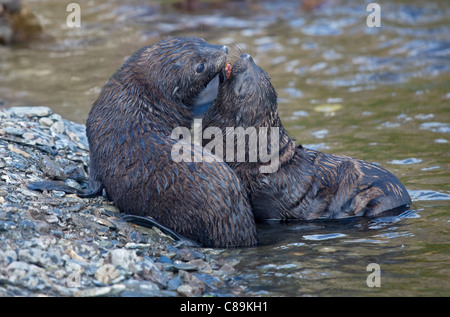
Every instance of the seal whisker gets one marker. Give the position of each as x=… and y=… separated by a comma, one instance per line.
x=237, y=50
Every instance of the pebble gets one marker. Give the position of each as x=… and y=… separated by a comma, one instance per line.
x=46, y=122
x=29, y=111
x=122, y=257
x=57, y=244
x=52, y=169
x=107, y=273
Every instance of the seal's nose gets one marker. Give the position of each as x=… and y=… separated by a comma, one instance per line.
x=248, y=57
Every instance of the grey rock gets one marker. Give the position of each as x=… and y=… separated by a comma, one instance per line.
x=13, y=131
x=51, y=168
x=29, y=111
x=122, y=257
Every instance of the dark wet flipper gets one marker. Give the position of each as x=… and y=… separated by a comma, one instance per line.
x=92, y=191
x=52, y=185
x=60, y=186
x=149, y=223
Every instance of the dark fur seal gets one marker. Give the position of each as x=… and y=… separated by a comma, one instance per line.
x=129, y=129
x=308, y=184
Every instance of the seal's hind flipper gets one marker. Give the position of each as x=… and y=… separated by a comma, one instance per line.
x=149, y=223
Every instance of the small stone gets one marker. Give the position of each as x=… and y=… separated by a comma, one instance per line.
x=201, y=265
x=51, y=168
x=76, y=256
x=132, y=245
x=150, y=271
x=58, y=193
x=13, y=131
x=105, y=223
x=73, y=137
x=197, y=286
x=175, y=267
x=140, y=288
x=30, y=111
x=106, y=274
x=227, y=268
x=14, y=149
x=51, y=218
x=101, y=291
x=165, y=259
x=27, y=193
x=185, y=290
x=186, y=255
x=174, y=283
x=28, y=136
x=57, y=127
x=46, y=122
x=122, y=258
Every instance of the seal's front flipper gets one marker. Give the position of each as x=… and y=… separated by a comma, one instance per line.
x=95, y=189
x=52, y=185
x=149, y=223
x=60, y=186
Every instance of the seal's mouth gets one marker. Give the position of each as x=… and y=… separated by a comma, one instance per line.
x=225, y=73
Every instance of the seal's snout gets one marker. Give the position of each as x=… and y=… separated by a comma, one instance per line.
x=249, y=64
x=248, y=58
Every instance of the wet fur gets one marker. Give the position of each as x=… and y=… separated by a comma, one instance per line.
x=129, y=128
x=308, y=184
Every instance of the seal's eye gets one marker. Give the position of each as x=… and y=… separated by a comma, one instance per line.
x=200, y=68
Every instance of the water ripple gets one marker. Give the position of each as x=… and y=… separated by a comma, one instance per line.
x=419, y=195
x=320, y=237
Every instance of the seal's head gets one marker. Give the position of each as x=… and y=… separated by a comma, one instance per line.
x=246, y=94
x=157, y=85
x=176, y=69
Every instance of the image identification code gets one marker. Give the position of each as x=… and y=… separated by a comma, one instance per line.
x=230, y=306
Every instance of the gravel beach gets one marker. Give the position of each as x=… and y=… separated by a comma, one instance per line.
x=57, y=244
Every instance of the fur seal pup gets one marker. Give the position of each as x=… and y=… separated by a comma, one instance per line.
x=307, y=184
x=129, y=132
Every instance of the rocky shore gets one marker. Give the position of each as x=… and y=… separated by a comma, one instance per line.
x=57, y=244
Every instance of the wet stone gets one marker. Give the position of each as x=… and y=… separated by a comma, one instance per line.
x=175, y=267
x=29, y=111
x=13, y=131
x=52, y=169
x=46, y=122
x=107, y=273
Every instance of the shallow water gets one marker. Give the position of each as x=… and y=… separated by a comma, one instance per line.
x=378, y=94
